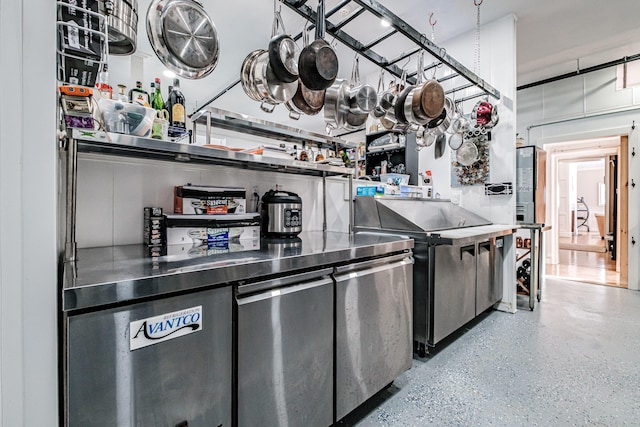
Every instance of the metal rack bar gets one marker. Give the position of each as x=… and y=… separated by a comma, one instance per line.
x=380, y=39
x=341, y=24
x=365, y=50
x=423, y=42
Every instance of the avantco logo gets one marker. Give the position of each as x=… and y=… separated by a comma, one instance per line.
x=153, y=330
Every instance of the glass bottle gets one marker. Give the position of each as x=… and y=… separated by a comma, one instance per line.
x=103, y=83
x=175, y=103
x=158, y=102
x=152, y=94
x=121, y=95
x=139, y=95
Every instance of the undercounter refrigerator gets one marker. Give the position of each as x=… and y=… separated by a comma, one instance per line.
x=458, y=255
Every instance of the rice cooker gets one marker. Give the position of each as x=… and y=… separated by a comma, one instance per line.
x=281, y=214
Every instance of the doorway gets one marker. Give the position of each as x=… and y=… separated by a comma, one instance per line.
x=587, y=211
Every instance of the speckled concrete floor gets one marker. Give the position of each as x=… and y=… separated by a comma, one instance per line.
x=575, y=360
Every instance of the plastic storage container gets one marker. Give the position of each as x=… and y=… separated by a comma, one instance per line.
x=125, y=117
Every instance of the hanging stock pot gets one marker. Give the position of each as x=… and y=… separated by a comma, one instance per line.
x=122, y=21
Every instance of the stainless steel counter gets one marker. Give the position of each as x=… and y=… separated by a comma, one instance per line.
x=110, y=275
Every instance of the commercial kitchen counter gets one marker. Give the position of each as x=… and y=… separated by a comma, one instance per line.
x=162, y=340
x=110, y=275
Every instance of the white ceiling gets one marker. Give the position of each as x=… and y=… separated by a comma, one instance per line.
x=551, y=34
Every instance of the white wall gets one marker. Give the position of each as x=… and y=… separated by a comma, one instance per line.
x=112, y=193
x=585, y=98
x=498, y=67
x=28, y=265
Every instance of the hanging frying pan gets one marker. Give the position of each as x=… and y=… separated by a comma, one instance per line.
x=183, y=37
x=283, y=52
x=318, y=63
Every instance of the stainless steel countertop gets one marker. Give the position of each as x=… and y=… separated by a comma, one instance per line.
x=483, y=231
x=111, y=275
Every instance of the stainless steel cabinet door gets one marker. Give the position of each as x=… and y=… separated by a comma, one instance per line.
x=454, y=289
x=485, y=297
x=182, y=379
x=285, y=356
x=374, y=340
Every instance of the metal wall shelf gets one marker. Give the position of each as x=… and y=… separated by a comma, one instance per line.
x=131, y=146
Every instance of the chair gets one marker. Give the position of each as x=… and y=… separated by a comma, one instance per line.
x=582, y=213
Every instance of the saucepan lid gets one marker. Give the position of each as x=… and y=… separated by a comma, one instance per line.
x=467, y=154
x=183, y=37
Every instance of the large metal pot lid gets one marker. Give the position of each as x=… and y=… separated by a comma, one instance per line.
x=183, y=37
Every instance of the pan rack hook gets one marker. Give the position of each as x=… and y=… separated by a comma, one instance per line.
x=431, y=21
x=477, y=3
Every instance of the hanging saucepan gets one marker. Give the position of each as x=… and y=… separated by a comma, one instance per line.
x=362, y=97
x=444, y=120
x=246, y=75
x=379, y=110
x=308, y=102
x=389, y=120
x=399, y=104
x=318, y=64
x=183, y=37
x=485, y=114
x=336, y=105
x=413, y=111
x=467, y=154
x=270, y=89
x=283, y=52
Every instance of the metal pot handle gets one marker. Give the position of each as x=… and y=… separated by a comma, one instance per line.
x=278, y=24
x=263, y=107
x=420, y=70
x=381, y=81
x=355, y=72
x=320, y=20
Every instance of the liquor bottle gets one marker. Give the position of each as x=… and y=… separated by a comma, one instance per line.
x=152, y=94
x=139, y=95
x=103, y=83
x=158, y=102
x=121, y=93
x=175, y=103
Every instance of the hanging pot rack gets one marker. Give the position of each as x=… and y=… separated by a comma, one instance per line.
x=366, y=50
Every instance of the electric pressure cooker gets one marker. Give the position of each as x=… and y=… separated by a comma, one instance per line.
x=281, y=214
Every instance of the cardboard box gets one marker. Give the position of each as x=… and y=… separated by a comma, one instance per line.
x=211, y=229
x=209, y=200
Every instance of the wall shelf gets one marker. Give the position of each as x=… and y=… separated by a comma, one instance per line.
x=148, y=148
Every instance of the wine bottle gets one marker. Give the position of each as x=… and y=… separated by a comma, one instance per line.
x=177, y=117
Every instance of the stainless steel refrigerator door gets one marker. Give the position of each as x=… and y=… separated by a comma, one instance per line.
x=285, y=356
x=454, y=289
x=374, y=339
x=182, y=379
x=485, y=297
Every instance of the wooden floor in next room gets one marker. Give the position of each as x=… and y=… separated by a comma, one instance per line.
x=584, y=257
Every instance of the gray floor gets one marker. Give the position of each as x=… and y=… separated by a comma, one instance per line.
x=575, y=360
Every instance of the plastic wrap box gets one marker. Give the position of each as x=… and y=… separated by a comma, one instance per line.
x=209, y=200
x=211, y=230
